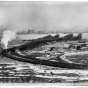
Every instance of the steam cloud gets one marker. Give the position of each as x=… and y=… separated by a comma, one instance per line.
x=8, y=35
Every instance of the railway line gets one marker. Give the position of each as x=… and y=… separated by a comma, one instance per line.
x=13, y=54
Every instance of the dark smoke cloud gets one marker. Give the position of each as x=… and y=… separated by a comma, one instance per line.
x=62, y=16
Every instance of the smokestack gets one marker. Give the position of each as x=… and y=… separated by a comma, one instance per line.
x=7, y=36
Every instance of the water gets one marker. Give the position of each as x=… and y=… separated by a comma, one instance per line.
x=35, y=36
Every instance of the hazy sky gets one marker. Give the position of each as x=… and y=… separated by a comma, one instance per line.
x=63, y=16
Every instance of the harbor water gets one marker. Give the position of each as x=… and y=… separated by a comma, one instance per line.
x=35, y=36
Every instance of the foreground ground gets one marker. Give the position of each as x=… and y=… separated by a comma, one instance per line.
x=12, y=71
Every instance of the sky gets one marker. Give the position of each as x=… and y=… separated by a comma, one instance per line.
x=45, y=16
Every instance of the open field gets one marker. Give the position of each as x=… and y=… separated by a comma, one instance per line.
x=21, y=72
x=29, y=73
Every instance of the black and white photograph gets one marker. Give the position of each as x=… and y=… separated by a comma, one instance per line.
x=44, y=42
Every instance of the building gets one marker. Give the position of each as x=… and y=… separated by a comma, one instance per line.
x=40, y=32
x=31, y=31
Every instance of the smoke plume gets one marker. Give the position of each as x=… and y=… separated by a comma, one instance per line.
x=7, y=36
